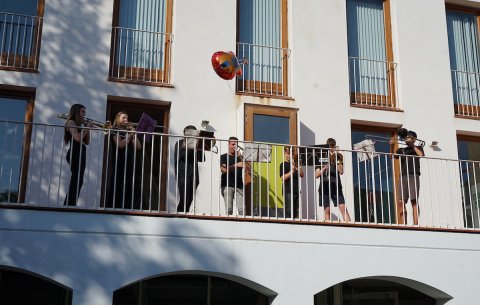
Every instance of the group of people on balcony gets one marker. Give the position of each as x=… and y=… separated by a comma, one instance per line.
x=121, y=191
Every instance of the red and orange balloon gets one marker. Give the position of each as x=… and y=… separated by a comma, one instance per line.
x=227, y=65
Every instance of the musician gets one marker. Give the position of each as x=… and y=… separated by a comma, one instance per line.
x=123, y=145
x=290, y=173
x=410, y=177
x=186, y=158
x=331, y=184
x=231, y=166
x=77, y=151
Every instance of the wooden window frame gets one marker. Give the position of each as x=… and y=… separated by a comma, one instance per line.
x=164, y=74
x=360, y=99
x=252, y=109
x=250, y=87
x=466, y=111
x=27, y=94
x=32, y=62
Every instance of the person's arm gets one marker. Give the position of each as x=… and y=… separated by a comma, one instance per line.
x=419, y=151
x=300, y=171
x=285, y=176
x=76, y=136
x=320, y=170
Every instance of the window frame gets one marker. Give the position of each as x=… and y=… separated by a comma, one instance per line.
x=466, y=111
x=164, y=80
x=27, y=94
x=33, y=61
x=267, y=89
x=387, y=102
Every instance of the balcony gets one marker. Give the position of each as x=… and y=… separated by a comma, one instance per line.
x=35, y=174
x=372, y=83
x=267, y=71
x=20, y=41
x=466, y=93
x=140, y=56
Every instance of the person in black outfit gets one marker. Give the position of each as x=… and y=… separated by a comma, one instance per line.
x=410, y=177
x=186, y=159
x=78, y=138
x=121, y=164
x=331, y=184
x=290, y=171
x=231, y=184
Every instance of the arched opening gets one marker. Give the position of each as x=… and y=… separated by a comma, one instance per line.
x=21, y=287
x=380, y=291
x=187, y=289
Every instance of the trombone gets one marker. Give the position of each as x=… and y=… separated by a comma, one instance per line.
x=103, y=125
x=375, y=138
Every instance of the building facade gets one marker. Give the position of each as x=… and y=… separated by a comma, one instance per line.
x=352, y=70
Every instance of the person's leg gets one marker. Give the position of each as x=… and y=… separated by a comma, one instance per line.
x=414, y=211
x=296, y=208
x=415, y=187
x=190, y=188
x=227, y=193
x=181, y=193
x=73, y=159
x=288, y=205
x=341, y=205
x=324, y=196
x=239, y=200
x=402, y=199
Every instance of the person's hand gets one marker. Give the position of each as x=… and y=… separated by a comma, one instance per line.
x=89, y=124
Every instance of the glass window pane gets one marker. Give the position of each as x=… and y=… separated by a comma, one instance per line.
x=225, y=292
x=11, y=138
x=23, y=7
x=273, y=129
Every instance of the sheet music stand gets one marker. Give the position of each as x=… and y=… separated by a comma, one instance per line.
x=257, y=153
x=365, y=150
x=146, y=124
x=314, y=155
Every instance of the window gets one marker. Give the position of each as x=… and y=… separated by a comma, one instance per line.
x=141, y=41
x=262, y=40
x=188, y=289
x=373, y=180
x=370, y=56
x=372, y=292
x=469, y=149
x=15, y=109
x=462, y=26
x=21, y=288
x=20, y=33
x=262, y=184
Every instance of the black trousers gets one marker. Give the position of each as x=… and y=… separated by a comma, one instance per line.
x=186, y=192
x=289, y=199
x=76, y=157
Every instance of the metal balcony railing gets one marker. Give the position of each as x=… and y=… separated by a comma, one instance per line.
x=141, y=56
x=466, y=93
x=373, y=83
x=175, y=175
x=20, y=41
x=267, y=71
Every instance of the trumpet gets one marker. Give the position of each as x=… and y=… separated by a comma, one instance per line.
x=103, y=125
x=375, y=138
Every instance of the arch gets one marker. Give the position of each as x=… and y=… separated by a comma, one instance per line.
x=216, y=285
x=391, y=287
x=22, y=287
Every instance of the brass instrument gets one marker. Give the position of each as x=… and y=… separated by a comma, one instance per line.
x=375, y=138
x=246, y=164
x=98, y=124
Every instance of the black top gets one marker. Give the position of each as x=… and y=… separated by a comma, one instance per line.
x=186, y=163
x=409, y=165
x=292, y=180
x=228, y=160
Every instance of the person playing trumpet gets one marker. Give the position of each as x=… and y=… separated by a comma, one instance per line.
x=231, y=184
x=76, y=155
x=121, y=165
x=290, y=173
x=410, y=176
x=331, y=184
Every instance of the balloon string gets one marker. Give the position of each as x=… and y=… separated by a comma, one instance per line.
x=228, y=85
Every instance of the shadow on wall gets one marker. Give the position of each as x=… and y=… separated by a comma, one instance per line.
x=97, y=254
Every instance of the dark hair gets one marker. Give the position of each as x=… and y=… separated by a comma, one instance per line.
x=233, y=139
x=331, y=142
x=189, y=127
x=73, y=115
x=411, y=133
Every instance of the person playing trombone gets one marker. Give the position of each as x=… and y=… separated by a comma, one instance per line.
x=121, y=165
x=78, y=138
x=231, y=165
